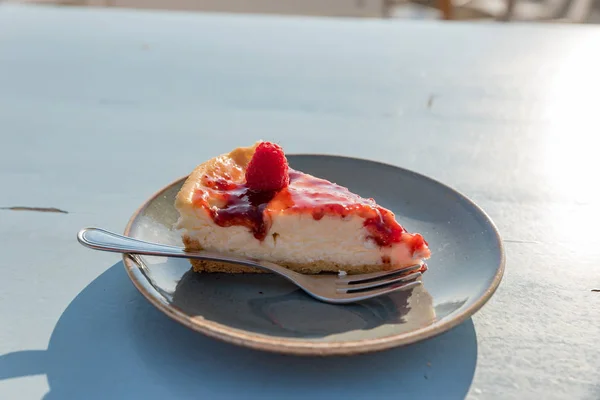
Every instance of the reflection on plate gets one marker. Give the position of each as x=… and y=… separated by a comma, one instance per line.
x=271, y=306
x=266, y=312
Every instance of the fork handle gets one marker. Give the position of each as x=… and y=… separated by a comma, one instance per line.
x=100, y=239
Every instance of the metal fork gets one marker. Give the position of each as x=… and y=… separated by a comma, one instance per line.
x=329, y=288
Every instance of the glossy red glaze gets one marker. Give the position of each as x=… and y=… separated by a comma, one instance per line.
x=240, y=205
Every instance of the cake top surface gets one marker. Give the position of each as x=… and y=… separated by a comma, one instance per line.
x=219, y=186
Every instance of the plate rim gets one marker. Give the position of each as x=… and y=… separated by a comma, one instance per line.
x=304, y=347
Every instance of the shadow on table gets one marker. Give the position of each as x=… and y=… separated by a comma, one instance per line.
x=111, y=343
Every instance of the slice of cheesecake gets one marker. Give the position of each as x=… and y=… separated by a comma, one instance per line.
x=250, y=203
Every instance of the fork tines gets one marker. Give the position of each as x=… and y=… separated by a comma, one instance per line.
x=358, y=283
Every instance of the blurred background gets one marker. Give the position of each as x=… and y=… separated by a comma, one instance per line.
x=543, y=11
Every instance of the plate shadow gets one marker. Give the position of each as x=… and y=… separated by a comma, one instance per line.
x=111, y=343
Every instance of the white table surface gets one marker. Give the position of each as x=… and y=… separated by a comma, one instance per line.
x=100, y=108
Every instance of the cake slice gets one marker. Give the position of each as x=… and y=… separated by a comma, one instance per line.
x=250, y=203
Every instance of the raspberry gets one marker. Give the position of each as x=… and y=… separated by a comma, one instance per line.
x=268, y=168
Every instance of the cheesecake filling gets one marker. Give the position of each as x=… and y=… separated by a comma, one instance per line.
x=300, y=239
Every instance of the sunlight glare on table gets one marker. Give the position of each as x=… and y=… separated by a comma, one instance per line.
x=570, y=160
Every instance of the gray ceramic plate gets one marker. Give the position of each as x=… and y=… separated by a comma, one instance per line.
x=265, y=312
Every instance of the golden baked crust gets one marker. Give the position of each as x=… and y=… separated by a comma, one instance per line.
x=233, y=164
x=307, y=268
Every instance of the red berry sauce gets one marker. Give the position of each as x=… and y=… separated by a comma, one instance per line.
x=239, y=205
x=242, y=206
